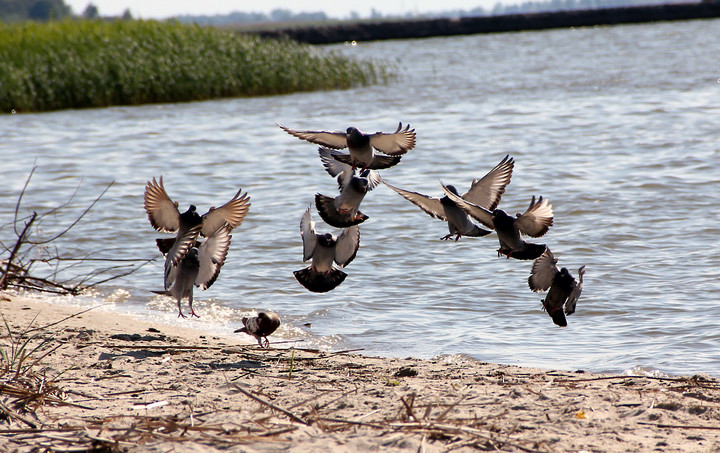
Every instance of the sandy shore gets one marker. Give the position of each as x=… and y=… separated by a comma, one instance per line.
x=113, y=381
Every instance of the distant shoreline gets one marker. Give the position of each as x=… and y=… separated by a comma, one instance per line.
x=426, y=28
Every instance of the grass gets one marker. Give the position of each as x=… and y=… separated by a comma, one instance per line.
x=93, y=63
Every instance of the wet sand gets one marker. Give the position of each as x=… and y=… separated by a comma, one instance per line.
x=115, y=381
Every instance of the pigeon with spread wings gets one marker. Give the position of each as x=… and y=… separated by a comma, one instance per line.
x=199, y=264
x=485, y=192
x=165, y=217
x=362, y=145
x=564, y=289
x=260, y=327
x=535, y=222
x=324, y=249
x=343, y=210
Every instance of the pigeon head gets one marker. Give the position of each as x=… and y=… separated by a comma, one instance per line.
x=359, y=183
x=446, y=201
x=326, y=240
x=192, y=259
x=268, y=322
x=190, y=217
x=564, y=277
x=355, y=138
x=501, y=218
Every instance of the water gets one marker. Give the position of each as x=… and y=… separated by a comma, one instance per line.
x=617, y=126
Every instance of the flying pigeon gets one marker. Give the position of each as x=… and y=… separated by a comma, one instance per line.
x=260, y=327
x=188, y=265
x=343, y=210
x=362, y=145
x=165, y=217
x=485, y=192
x=564, y=290
x=321, y=276
x=535, y=222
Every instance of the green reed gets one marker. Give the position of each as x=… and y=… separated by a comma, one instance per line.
x=83, y=63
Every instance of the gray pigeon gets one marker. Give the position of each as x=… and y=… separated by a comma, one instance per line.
x=535, y=222
x=165, y=217
x=362, y=145
x=324, y=249
x=260, y=327
x=188, y=265
x=485, y=192
x=343, y=210
x=564, y=290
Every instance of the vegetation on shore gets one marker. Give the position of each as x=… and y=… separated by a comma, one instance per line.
x=94, y=63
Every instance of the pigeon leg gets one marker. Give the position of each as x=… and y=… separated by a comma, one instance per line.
x=446, y=237
x=192, y=312
x=457, y=238
x=180, y=313
x=265, y=343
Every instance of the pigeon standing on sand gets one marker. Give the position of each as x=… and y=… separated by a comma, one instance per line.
x=564, y=289
x=362, y=145
x=485, y=192
x=199, y=266
x=344, y=210
x=260, y=327
x=165, y=217
x=324, y=249
x=535, y=222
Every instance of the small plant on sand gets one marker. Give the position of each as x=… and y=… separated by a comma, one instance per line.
x=23, y=386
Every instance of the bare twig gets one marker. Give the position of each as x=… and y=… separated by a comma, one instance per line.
x=270, y=405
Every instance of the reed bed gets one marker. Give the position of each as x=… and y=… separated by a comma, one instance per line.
x=94, y=63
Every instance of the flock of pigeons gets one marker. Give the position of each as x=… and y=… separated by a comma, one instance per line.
x=190, y=261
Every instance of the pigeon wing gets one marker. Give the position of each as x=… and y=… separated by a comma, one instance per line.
x=373, y=178
x=430, y=205
x=342, y=171
x=211, y=255
x=347, y=246
x=334, y=140
x=478, y=213
x=161, y=210
x=486, y=191
x=537, y=219
x=307, y=231
x=177, y=253
x=543, y=272
x=231, y=213
x=395, y=144
x=575, y=293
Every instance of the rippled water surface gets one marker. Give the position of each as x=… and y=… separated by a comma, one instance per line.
x=617, y=126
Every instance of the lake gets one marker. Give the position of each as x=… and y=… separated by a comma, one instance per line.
x=616, y=126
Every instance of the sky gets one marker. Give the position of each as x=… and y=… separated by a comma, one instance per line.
x=157, y=9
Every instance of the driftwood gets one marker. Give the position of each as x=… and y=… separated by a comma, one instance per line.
x=21, y=256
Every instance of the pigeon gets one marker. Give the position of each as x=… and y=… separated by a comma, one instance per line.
x=361, y=145
x=165, y=217
x=485, y=192
x=260, y=327
x=188, y=265
x=321, y=276
x=343, y=210
x=564, y=289
x=535, y=222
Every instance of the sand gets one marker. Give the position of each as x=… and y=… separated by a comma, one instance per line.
x=113, y=381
